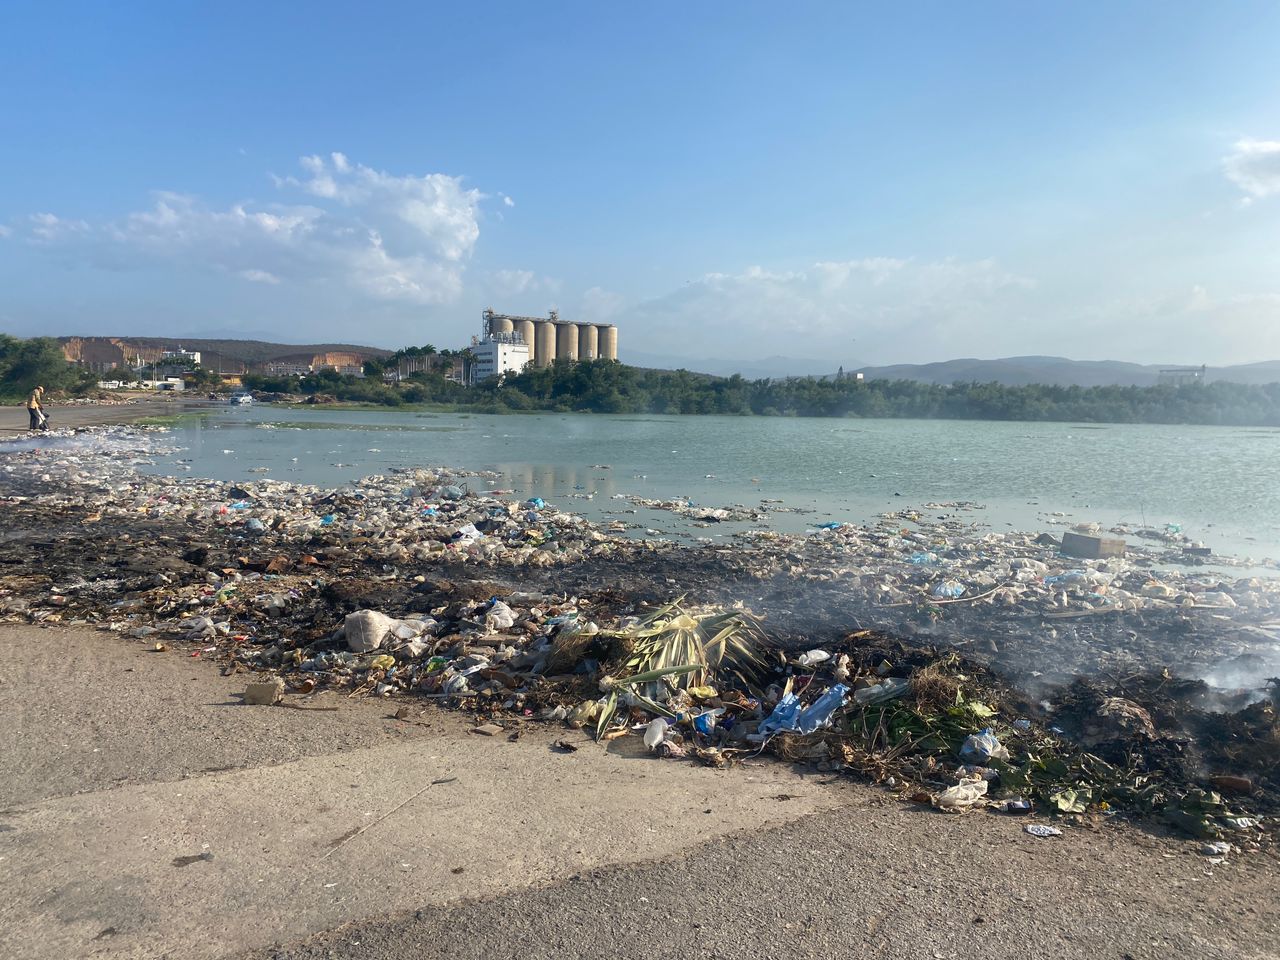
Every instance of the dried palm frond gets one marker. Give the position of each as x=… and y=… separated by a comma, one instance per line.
x=726, y=645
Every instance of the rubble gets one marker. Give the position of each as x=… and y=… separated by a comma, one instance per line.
x=896, y=650
x=264, y=693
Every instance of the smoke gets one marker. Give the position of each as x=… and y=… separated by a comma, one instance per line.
x=1245, y=676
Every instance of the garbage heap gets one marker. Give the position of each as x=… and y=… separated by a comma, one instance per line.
x=708, y=686
x=348, y=590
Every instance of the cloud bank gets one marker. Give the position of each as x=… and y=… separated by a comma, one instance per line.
x=846, y=309
x=392, y=238
x=1254, y=167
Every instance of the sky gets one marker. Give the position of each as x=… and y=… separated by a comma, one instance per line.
x=847, y=183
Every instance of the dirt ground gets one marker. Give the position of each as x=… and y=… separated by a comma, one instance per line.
x=147, y=813
x=14, y=418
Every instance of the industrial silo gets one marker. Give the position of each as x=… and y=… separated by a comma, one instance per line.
x=588, y=342
x=544, y=343
x=566, y=341
x=608, y=342
x=500, y=325
x=524, y=329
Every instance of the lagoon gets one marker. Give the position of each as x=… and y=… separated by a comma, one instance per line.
x=1221, y=484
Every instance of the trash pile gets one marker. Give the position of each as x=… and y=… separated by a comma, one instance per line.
x=414, y=588
x=702, y=516
x=419, y=515
x=933, y=728
x=1014, y=597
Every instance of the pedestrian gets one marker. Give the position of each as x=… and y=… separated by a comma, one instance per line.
x=35, y=409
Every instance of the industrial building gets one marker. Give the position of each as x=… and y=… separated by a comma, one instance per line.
x=550, y=338
x=496, y=354
x=1183, y=376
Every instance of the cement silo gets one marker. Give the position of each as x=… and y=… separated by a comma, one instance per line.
x=524, y=329
x=544, y=343
x=608, y=341
x=500, y=325
x=566, y=341
x=588, y=342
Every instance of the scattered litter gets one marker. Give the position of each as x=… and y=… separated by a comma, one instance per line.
x=1042, y=830
x=411, y=587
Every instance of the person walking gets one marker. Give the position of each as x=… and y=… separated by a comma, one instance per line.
x=35, y=408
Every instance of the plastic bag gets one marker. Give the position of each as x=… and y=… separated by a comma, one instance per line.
x=819, y=715
x=783, y=716
x=887, y=689
x=983, y=746
x=962, y=795
x=788, y=716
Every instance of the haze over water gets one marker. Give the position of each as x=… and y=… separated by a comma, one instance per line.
x=1222, y=484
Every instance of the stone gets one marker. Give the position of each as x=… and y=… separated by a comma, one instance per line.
x=487, y=729
x=264, y=693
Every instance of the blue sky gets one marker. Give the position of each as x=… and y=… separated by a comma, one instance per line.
x=845, y=182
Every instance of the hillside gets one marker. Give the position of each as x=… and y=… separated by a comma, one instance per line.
x=1061, y=371
x=244, y=351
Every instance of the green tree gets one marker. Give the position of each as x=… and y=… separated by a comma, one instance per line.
x=38, y=361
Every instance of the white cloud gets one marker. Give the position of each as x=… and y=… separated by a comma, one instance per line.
x=513, y=281
x=599, y=304
x=259, y=276
x=1190, y=325
x=5, y=231
x=393, y=238
x=434, y=207
x=517, y=283
x=45, y=228
x=1254, y=167
x=873, y=310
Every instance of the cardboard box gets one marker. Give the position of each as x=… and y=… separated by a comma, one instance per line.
x=1091, y=548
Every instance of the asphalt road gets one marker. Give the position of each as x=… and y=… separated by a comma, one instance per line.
x=871, y=879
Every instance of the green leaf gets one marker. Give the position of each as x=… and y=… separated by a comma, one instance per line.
x=606, y=714
x=1071, y=801
x=651, y=675
x=654, y=706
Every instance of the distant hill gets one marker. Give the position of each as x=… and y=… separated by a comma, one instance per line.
x=1018, y=371
x=1009, y=371
x=767, y=367
x=245, y=351
x=223, y=355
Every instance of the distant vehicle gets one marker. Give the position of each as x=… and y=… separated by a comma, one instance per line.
x=241, y=398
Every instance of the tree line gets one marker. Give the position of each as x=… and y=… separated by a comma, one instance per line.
x=38, y=362
x=606, y=386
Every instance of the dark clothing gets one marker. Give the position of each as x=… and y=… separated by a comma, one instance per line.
x=35, y=417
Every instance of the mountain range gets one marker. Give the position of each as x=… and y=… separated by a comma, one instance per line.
x=1010, y=371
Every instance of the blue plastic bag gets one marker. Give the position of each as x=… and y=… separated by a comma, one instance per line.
x=788, y=716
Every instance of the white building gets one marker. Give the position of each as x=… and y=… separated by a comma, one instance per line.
x=181, y=355
x=496, y=354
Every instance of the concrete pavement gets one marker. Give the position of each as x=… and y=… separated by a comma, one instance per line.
x=147, y=813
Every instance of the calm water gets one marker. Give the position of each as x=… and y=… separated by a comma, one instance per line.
x=1221, y=484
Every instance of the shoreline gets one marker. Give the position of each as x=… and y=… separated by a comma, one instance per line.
x=73, y=416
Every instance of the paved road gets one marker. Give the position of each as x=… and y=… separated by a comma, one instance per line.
x=146, y=813
x=867, y=880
